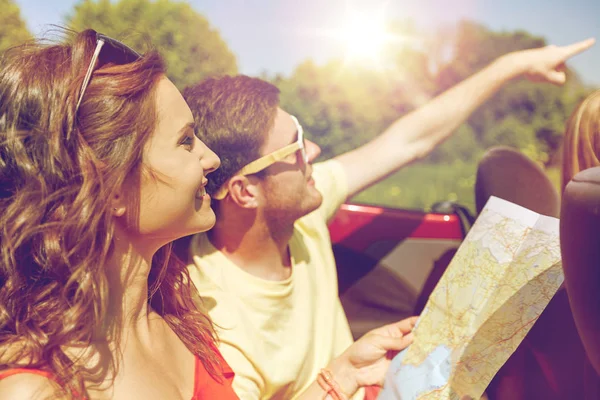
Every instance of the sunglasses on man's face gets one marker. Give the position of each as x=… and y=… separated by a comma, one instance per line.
x=270, y=159
x=108, y=50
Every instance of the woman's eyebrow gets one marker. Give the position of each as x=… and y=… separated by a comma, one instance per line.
x=186, y=127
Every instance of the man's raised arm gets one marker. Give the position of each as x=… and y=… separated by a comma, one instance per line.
x=416, y=134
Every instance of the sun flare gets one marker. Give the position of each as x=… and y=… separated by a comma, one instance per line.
x=364, y=36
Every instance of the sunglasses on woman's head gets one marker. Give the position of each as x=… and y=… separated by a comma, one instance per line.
x=108, y=50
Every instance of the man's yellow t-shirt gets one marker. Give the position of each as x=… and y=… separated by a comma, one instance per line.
x=277, y=335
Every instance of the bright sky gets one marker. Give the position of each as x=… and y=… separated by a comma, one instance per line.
x=276, y=35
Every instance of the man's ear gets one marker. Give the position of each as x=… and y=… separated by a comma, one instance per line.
x=118, y=206
x=244, y=191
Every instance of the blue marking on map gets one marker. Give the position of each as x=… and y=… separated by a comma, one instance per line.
x=408, y=382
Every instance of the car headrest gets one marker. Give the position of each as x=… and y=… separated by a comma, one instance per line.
x=510, y=175
x=580, y=248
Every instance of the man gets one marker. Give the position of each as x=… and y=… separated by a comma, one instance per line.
x=267, y=268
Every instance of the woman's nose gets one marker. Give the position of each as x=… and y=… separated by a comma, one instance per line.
x=210, y=160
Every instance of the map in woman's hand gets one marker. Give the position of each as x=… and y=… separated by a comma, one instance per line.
x=496, y=286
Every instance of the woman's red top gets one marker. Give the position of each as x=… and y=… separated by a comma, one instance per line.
x=205, y=386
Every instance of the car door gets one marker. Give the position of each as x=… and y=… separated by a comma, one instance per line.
x=389, y=260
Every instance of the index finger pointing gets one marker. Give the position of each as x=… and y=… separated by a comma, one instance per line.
x=576, y=48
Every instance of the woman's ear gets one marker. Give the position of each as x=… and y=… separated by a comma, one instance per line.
x=118, y=206
x=243, y=191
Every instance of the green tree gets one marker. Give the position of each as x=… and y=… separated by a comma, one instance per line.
x=343, y=107
x=475, y=46
x=192, y=49
x=537, y=112
x=13, y=30
x=524, y=115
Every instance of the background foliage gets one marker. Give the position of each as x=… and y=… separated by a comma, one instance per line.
x=13, y=30
x=192, y=49
x=343, y=106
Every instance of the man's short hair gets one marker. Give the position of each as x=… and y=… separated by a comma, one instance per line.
x=233, y=115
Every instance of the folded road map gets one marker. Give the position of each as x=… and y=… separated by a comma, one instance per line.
x=496, y=286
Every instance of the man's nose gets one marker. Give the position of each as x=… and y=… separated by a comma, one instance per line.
x=312, y=150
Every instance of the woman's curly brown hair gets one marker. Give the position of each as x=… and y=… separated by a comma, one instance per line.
x=58, y=170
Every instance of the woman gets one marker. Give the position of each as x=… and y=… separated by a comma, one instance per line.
x=579, y=216
x=582, y=138
x=99, y=175
x=99, y=172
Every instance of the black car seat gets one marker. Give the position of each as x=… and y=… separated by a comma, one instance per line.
x=580, y=248
x=550, y=362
